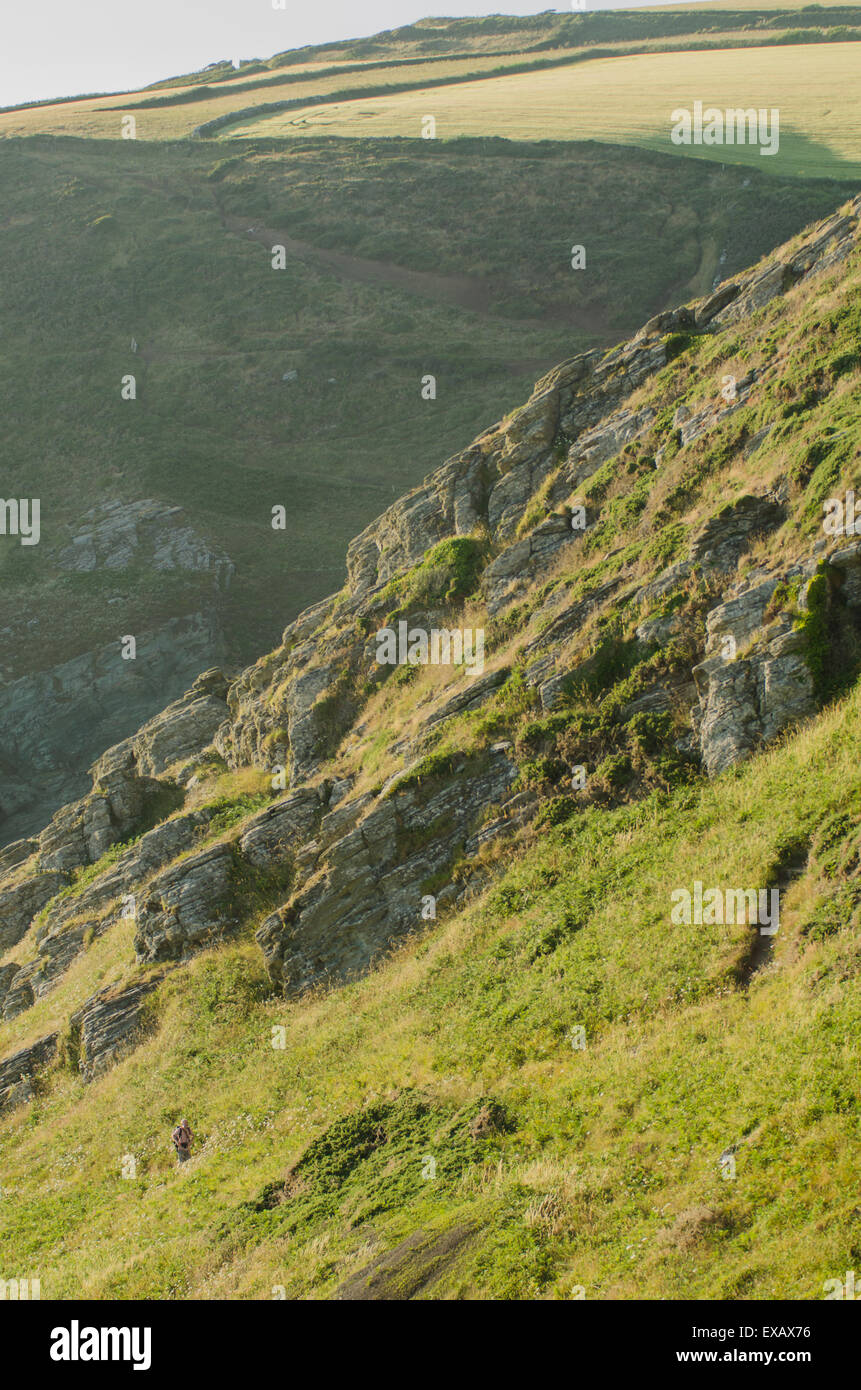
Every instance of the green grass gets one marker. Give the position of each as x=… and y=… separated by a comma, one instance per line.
x=554, y=1166
x=214, y=429
x=557, y=1166
x=436, y=51
x=600, y=1160
x=593, y=1166
x=628, y=100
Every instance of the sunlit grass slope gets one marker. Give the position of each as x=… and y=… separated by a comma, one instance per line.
x=566, y=1166
x=444, y=1102
x=445, y=54
x=629, y=100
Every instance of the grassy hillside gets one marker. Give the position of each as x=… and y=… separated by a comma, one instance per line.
x=112, y=241
x=447, y=54
x=562, y=1160
x=406, y=258
x=627, y=100
x=530, y=1096
x=595, y=1167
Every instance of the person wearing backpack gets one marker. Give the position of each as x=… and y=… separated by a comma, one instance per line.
x=182, y=1140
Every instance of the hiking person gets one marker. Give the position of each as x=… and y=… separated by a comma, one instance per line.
x=182, y=1140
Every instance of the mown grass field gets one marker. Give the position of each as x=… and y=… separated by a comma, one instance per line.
x=799, y=6
x=102, y=117
x=445, y=53
x=629, y=100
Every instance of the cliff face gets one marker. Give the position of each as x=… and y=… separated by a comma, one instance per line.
x=66, y=714
x=641, y=544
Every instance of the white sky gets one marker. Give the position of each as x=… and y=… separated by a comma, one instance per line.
x=52, y=48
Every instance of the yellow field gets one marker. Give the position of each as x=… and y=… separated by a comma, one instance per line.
x=743, y=5
x=625, y=99
x=817, y=89
x=101, y=117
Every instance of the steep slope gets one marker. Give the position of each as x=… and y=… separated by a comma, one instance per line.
x=164, y=393
x=499, y=1109
x=256, y=389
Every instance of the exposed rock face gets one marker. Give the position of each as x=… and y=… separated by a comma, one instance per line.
x=17, y=1072
x=17, y=991
x=183, y=729
x=16, y=853
x=109, y=1024
x=577, y=416
x=493, y=481
x=844, y=566
x=7, y=975
x=80, y=916
x=125, y=783
x=755, y=680
x=64, y=717
x=726, y=536
x=366, y=870
x=346, y=871
x=125, y=777
x=830, y=244
x=472, y=696
x=187, y=907
x=146, y=532
x=274, y=835
x=19, y=905
x=299, y=675
x=105, y=1028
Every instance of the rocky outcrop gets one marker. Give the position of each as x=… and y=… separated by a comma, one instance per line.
x=831, y=243
x=109, y=1024
x=577, y=417
x=100, y=1033
x=7, y=975
x=18, y=1072
x=755, y=681
x=16, y=853
x=65, y=716
x=844, y=569
x=724, y=539
x=126, y=778
x=345, y=867
x=492, y=482
x=278, y=701
x=20, y=904
x=147, y=532
x=82, y=915
x=368, y=868
x=274, y=835
x=126, y=785
x=189, y=906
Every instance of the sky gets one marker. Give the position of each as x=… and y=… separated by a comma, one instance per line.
x=52, y=48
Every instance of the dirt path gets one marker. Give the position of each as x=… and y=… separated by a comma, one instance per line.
x=479, y=296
